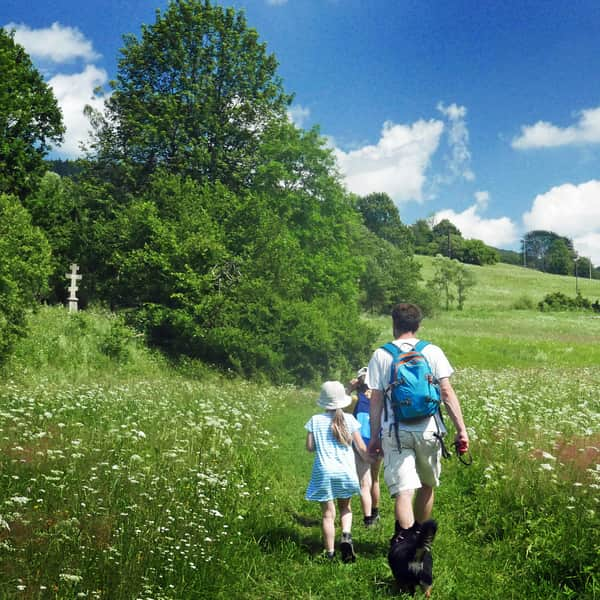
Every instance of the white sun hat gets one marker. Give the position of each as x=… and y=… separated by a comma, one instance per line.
x=333, y=395
x=362, y=373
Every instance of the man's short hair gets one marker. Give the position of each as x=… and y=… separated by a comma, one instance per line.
x=406, y=317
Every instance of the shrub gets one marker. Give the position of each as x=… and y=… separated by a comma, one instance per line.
x=115, y=343
x=523, y=302
x=24, y=270
x=557, y=301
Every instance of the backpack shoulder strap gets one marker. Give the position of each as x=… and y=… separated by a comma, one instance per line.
x=391, y=348
x=420, y=345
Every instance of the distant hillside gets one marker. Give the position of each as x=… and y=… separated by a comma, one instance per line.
x=499, y=286
x=510, y=256
x=64, y=168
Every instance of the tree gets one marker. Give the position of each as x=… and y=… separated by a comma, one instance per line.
x=451, y=281
x=448, y=239
x=559, y=258
x=475, y=252
x=24, y=269
x=56, y=209
x=535, y=246
x=381, y=216
x=224, y=231
x=390, y=276
x=193, y=96
x=585, y=268
x=423, y=236
x=30, y=120
x=259, y=284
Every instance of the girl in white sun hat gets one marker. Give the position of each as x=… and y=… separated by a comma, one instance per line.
x=330, y=435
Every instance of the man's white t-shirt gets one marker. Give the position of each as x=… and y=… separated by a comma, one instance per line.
x=378, y=378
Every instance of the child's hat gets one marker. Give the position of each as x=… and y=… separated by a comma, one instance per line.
x=333, y=395
x=361, y=373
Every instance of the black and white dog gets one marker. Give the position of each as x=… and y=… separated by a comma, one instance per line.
x=410, y=558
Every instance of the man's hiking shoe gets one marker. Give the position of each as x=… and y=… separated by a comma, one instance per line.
x=347, y=548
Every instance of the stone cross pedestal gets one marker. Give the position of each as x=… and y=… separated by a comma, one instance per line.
x=73, y=277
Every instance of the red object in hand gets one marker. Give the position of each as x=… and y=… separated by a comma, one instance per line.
x=462, y=447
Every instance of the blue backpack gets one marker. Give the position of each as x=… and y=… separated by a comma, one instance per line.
x=361, y=413
x=413, y=390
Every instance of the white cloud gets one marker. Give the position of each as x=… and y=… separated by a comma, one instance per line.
x=572, y=211
x=396, y=164
x=73, y=92
x=499, y=233
x=546, y=135
x=298, y=114
x=482, y=198
x=60, y=45
x=57, y=43
x=458, y=139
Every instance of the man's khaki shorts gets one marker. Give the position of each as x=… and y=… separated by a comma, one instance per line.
x=416, y=463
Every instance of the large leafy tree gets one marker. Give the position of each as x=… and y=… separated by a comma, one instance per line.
x=224, y=230
x=423, y=236
x=448, y=239
x=538, y=247
x=193, y=95
x=381, y=216
x=390, y=276
x=241, y=280
x=559, y=257
x=30, y=120
x=58, y=211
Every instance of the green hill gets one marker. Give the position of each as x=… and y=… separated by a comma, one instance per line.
x=501, y=285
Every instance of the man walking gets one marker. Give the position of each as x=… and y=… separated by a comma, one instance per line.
x=412, y=450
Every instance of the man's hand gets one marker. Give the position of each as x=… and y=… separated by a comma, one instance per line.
x=461, y=441
x=374, y=448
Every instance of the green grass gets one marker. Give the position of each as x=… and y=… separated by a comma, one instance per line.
x=123, y=476
x=499, y=286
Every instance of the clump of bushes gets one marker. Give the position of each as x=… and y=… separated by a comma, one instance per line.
x=523, y=302
x=558, y=301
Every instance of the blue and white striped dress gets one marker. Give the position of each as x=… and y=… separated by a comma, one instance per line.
x=334, y=470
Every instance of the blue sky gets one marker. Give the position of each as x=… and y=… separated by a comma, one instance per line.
x=486, y=113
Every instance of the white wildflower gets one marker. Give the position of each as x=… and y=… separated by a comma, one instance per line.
x=22, y=500
x=70, y=577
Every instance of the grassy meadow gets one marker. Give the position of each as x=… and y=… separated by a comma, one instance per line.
x=124, y=476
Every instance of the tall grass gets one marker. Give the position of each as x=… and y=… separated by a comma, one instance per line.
x=124, y=476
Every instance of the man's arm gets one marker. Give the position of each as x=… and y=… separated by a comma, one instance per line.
x=450, y=400
x=376, y=408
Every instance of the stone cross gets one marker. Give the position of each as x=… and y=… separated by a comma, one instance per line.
x=74, y=277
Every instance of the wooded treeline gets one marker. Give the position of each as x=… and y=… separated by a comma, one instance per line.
x=199, y=211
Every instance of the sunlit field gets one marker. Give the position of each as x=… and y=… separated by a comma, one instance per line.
x=501, y=285
x=125, y=477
